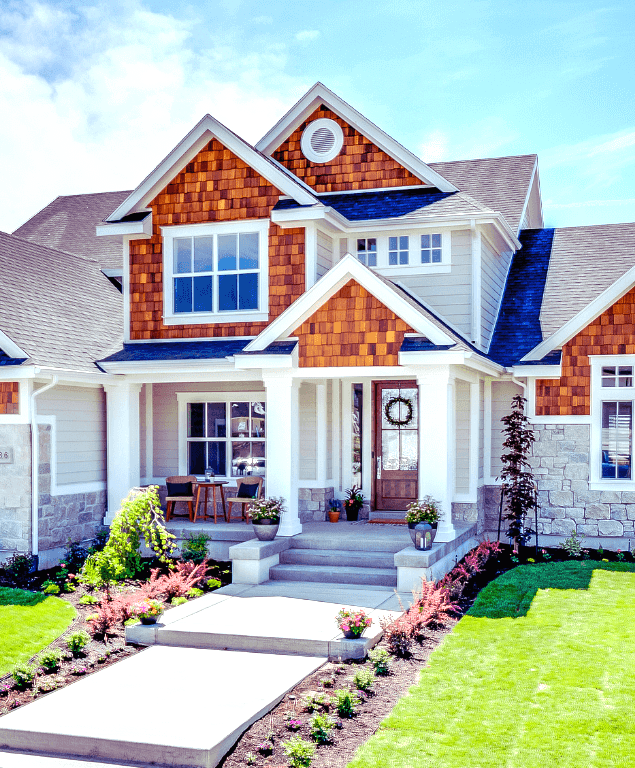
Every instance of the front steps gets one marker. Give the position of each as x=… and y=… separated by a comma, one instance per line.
x=328, y=574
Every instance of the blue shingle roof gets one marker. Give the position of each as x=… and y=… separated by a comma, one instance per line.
x=418, y=344
x=382, y=204
x=192, y=350
x=6, y=360
x=518, y=328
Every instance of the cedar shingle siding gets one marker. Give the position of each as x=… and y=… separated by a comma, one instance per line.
x=360, y=164
x=612, y=333
x=9, y=397
x=352, y=328
x=215, y=186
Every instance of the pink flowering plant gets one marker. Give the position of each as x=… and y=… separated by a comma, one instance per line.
x=353, y=621
x=147, y=609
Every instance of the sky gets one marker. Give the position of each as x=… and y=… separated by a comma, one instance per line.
x=93, y=95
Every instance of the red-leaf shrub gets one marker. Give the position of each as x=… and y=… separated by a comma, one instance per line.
x=178, y=582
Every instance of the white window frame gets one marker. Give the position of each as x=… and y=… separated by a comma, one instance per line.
x=184, y=398
x=414, y=265
x=260, y=226
x=599, y=395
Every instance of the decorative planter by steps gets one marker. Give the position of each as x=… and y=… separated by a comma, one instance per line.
x=334, y=515
x=413, y=533
x=352, y=514
x=150, y=619
x=266, y=529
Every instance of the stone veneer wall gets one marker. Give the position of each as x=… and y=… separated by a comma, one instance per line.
x=313, y=504
x=561, y=456
x=70, y=517
x=15, y=490
x=473, y=512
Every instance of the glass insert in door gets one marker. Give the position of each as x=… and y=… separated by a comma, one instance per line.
x=399, y=429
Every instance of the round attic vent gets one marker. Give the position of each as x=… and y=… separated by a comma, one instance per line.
x=322, y=140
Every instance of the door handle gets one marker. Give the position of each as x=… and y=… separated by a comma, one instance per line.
x=379, y=467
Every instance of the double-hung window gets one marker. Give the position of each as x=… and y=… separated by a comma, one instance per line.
x=216, y=272
x=226, y=436
x=613, y=408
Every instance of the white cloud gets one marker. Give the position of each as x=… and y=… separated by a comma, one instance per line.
x=434, y=146
x=485, y=138
x=306, y=35
x=93, y=99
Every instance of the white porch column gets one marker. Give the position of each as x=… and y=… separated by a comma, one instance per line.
x=283, y=449
x=436, y=446
x=122, y=443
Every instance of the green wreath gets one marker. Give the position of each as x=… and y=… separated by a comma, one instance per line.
x=398, y=422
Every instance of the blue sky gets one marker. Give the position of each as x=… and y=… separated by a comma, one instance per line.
x=93, y=95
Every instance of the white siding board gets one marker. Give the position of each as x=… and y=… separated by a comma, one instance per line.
x=308, y=431
x=324, y=253
x=462, y=467
x=494, y=274
x=329, y=429
x=80, y=432
x=481, y=429
x=502, y=393
x=142, y=430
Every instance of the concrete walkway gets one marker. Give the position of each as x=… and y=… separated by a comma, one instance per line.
x=184, y=702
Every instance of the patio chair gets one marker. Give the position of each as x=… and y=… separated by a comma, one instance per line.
x=181, y=488
x=249, y=488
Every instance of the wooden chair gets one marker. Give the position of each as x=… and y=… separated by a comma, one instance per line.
x=173, y=500
x=244, y=501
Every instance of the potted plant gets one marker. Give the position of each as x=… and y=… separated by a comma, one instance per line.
x=353, y=502
x=334, y=510
x=148, y=611
x=265, y=515
x=425, y=510
x=352, y=622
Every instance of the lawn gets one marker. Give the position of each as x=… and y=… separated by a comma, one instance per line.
x=541, y=672
x=29, y=621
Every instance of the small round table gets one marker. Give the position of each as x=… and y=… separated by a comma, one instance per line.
x=205, y=485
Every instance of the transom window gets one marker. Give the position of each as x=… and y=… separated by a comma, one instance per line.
x=617, y=440
x=367, y=251
x=227, y=437
x=217, y=273
x=398, y=249
x=617, y=376
x=431, y=249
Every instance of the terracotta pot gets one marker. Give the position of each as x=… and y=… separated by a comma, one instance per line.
x=334, y=515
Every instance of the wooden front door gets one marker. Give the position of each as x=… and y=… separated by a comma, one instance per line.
x=396, y=444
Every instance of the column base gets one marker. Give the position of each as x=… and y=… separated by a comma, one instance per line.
x=445, y=532
x=289, y=527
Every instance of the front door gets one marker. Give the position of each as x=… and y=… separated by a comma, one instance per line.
x=396, y=444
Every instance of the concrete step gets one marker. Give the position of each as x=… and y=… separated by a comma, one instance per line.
x=330, y=574
x=338, y=557
x=362, y=538
x=398, y=517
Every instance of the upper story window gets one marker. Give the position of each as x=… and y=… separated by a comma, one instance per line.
x=408, y=251
x=617, y=375
x=216, y=272
x=398, y=250
x=367, y=251
x=431, y=249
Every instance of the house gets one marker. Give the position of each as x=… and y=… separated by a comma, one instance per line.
x=326, y=309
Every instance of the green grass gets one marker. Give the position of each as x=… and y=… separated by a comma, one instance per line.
x=541, y=672
x=29, y=621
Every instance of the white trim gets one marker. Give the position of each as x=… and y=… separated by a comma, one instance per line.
x=591, y=312
x=487, y=433
x=368, y=467
x=184, y=339
x=125, y=288
x=10, y=348
x=182, y=400
x=149, y=463
x=477, y=298
x=204, y=131
x=321, y=424
x=538, y=371
x=140, y=230
x=258, y=226
x=211, y=366
x=310, y=254
x=534, y=173
x=320, y=94
x=311, y=129
x=346, y=269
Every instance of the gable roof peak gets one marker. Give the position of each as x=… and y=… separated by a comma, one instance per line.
x=319, y=94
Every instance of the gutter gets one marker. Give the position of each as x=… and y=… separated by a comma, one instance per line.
x=35, y=471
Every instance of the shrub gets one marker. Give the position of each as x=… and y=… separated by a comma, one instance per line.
x=293, y=723
x=345, y=702
x=106, y=617
x=250, y=758
x=313, y=701
x=212, y=584
x=23, y=675
x=19, y=568
x=364, y=680
x=380, y=659
x=573, y=545
x=75, y=556
x=140, y=516
x=265, y=748
x=194, y=592
x=50, y=588
x=321, y=727
x=178, y=600
x=88, y=600
x=194, y=548
x=299, y=752
x=79, y=669
x=77, y=641
x=50, y=659
x=177, y=582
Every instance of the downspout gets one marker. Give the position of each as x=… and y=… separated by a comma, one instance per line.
x=35, y=471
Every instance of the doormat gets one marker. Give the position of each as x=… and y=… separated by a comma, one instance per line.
x=379, y=521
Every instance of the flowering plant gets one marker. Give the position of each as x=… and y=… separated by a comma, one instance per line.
x=353, y=621
x=266, y=509
x=425, y=510
x=147, y=609
x=354, y=500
